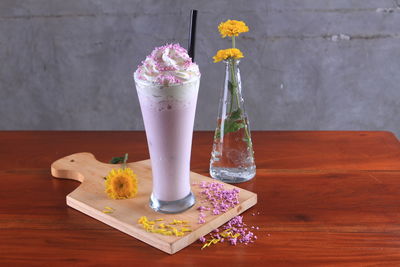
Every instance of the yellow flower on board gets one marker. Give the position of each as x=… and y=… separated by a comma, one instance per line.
x=228, y=53
x=232, y=28
x=121, y=184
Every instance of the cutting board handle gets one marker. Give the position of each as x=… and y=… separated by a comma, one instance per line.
x=69, y=166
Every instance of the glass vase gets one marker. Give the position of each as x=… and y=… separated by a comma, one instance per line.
x=232, y=157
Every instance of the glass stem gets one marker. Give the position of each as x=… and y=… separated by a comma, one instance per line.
x=235, y=95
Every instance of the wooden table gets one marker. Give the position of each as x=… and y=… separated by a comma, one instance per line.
x=323, y=198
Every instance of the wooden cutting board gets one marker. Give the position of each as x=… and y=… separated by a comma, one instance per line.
x=91, y=199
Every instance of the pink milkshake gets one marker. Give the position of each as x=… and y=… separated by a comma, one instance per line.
x=167, y=84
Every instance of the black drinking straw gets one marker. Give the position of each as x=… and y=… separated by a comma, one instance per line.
x=192, y=33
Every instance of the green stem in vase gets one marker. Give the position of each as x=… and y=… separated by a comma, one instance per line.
x=232, y=124
x=232, y=84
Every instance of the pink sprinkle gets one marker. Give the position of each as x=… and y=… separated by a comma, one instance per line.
x=167, y=79
x=201, y=208
x=202, y=239
x=235, y=226
x=219, y=198
x=188, y=63
x=216, y=212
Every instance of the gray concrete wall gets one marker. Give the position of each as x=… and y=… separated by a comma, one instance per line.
x=67, y=65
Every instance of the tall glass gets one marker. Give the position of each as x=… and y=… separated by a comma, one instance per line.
x=168, y=114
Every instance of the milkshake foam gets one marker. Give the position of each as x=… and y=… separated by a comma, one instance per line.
x=167, y=65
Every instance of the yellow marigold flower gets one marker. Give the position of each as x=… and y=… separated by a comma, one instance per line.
x=227, y=53
x=121, y=184
x=232, y=28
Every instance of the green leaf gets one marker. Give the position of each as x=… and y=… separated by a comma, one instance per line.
x=232, y=126
x=123, y=160
x=235, y=115
x=116, y=160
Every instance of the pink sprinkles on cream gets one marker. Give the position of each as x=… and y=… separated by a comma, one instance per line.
x=167, y=79
x=161, y=68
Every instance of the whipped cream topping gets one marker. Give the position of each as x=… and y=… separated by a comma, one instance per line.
x=166, y=65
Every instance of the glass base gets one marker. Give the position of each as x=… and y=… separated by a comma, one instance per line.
x=175, y=206
x=233, y=175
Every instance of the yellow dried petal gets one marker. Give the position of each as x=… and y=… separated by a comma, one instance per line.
x=161, y=228
x=205, y=245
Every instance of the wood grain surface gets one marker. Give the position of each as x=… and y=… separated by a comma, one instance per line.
x=324, y=199
x=90, y=198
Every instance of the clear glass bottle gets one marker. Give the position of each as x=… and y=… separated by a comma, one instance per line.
x=232, y=157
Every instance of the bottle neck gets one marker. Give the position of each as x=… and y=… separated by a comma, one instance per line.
x=232, y=61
